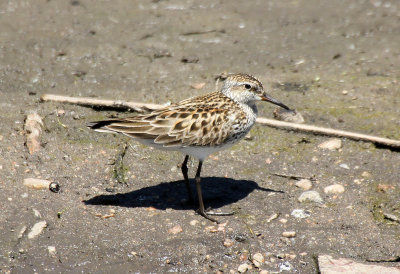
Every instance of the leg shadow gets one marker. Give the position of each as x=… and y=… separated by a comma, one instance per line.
x=217, y=192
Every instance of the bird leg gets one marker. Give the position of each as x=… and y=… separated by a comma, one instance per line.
x=201, y=209
x=184, y=169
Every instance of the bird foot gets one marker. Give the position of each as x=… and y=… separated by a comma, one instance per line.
x=206, y=213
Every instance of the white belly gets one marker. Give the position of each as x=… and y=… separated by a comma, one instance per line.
x=198, y=152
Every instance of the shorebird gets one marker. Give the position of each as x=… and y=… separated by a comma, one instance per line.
x=197, y=126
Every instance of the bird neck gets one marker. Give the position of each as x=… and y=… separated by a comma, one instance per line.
x=250, y=109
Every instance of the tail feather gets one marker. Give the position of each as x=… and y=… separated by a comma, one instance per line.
x=135, y=130
x=99, y=124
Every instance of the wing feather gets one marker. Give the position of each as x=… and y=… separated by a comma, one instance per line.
x=192, y=122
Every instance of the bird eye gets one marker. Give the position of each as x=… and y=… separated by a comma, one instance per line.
x=247, y=86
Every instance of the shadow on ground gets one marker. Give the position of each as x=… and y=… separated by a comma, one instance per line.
x=217, y=192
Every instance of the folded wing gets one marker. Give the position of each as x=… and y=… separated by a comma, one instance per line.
x=177, y=126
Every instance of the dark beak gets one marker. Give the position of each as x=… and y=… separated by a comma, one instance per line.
x=268, y=98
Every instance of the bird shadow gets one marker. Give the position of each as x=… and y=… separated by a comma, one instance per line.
x=217, y=192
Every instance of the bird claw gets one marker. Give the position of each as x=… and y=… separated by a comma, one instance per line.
x=206, y=214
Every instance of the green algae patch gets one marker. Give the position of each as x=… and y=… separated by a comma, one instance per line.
x=383, y=198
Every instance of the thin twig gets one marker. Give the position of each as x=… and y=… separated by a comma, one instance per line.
x=140, y=107
x=293, y=177
x=85, y=101
x=329, y=132
x=199, y=32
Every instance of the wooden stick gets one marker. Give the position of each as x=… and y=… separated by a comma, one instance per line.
x=86, y=101
x=141, y=107
x=329, y=132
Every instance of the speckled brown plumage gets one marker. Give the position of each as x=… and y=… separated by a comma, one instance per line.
x=200, y=121
x=197, y=126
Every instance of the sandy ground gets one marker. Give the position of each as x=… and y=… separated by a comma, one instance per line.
x=336, y=62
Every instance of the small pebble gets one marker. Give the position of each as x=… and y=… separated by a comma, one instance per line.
x=60, y=112
x=310, y=196
x=280, y=256
x=345, y=166
x=286, y=241
x=334, y=189
x=221, y=227
x=285, y=266
x=175, y=230
x=211, y=229
x=305, y=184
x=391, y=217
x=256, y=264
x=52, y=250
x=243, y=257
x=383, y=188
x=36, y=183
x=243, y=268
x=272, y=217
x=314, y=159
x=366, y=174
x=228, y=243
x=283, y=220
x=37, y=229
x=289, y=234
x=288, y=116
x=21, y=232
x=194, y=222
x=248, y=137
x=54, y=187
x=198, y=85
x=76, y=116
x=33, y=128
x=331, y=144
x=241, y=238
x=258, y=259
x=36, y=213
x=300, y=213
x=344, y=92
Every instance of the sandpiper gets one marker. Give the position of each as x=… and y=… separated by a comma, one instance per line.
x=197, y=126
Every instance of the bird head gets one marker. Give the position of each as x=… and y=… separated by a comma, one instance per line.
x=246, y=89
